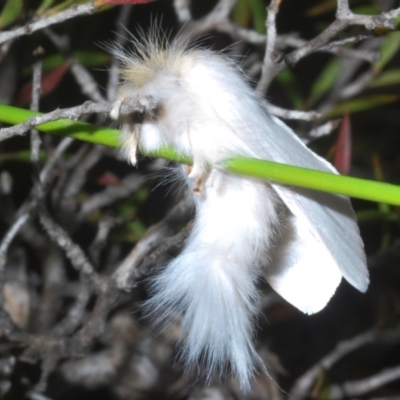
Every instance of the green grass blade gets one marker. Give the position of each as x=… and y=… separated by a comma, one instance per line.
x=64, y=127
x=312, y=179
x=281, y=173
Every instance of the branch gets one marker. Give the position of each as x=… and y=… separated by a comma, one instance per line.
x=121, y=38
x=73, y=12
x=262, y=169
x=344, y=19
x=303, y=385
x=72, y=113
x=36, y=91
x=294, y=114
x=219, y=14
x=72, y=250
x=128, y=272
x=271, y=56
x=363, y=386
x=182, y=10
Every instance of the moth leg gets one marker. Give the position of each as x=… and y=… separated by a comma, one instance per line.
x=197, y=177
x=133, y=112
x=130, y=134
x=135, y=109
x=115, y=109
x=147, y=106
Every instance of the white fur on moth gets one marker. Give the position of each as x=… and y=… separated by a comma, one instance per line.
x=301, y=241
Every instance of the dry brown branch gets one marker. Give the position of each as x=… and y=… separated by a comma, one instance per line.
x=128, y=272
x=271, y=57
x=72, y=250
x=302, y=386
x=294, y=114
x=212, y=20
x=182, y=10
x=344, y=19
x=88, y=85
x=36, y=91
x=364, y=386
x=73, y=12
x=111, y=194
x=121, y=39
x=72, y=113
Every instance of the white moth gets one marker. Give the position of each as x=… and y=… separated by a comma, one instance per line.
x=301, y=241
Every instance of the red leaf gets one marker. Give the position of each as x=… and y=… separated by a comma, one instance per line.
x=49, y=82
x=342, y=160
x=99, y=3
x=108, y=179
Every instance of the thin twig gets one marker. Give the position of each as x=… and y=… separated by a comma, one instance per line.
x=218, y=15
x=72, y=250
x=36, y=91
x=182, y=10
x=294, y=114
x=100, y=241
x=303, y=385
x=75, y=314
x=322, y=130
x=361, y=83
x=111, y=194
x=121, y=39
x=363, y=386
x=72, y=113
x=271, y=57
x=127, y=273
x=8, y=238
x=78, y=176
x=45, y=173
x=73, y=12
x=89, y=86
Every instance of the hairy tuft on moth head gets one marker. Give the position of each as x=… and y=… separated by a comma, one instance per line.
x=302, y=242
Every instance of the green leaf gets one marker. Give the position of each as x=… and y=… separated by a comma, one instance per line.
x=377, y=216
x=130, y=232
x=397, y=22
x=361, y=104
x=324, y=81
x=282, y=173
x=11, y=10
x=367, y=10
x=321, y=8
x=292, y=91
x=247, y=10
x=63, y=6
x=64, y=127
x=21, y=156
x=44, y=6
x=93, y=58
x=390, y=47
x=390, y=77
x=241, y=13
x=88, y=59
x=259, y=13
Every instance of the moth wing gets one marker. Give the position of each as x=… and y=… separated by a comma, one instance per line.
x=301, y=271
x=326, y=242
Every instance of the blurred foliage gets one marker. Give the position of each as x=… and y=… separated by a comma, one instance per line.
x=11, y=11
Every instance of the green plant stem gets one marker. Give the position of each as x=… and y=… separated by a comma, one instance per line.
x=312, y=179
x=269, y=170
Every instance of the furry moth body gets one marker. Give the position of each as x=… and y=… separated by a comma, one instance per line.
x=302, y=242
